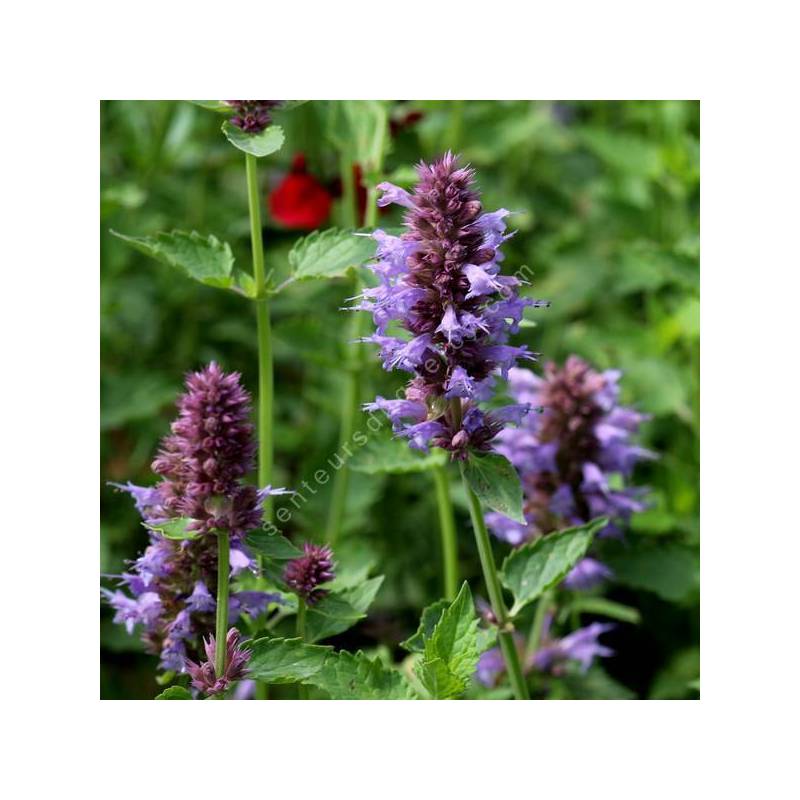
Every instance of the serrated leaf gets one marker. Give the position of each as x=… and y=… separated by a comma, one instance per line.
x=346, y=676
x=273, y=545
x=329, y=254
x=430, y=617
x=450, y=653
x=204, y=259
x=540, y=564
x=339, y=611
x=270, y=140
x=606, y=608
x=493, y=478
x=383, y=454
x=174, y=693
x=174, y=529
x=285, y=660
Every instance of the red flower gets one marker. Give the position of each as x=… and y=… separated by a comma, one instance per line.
x=300, y=201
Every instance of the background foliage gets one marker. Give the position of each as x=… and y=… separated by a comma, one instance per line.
x=607, y=195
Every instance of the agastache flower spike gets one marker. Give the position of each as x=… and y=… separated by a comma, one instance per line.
x=441, y=282
x=204, y=676
x=566, y=454
x=173, y=583
x=304, y=575
x=210, y=450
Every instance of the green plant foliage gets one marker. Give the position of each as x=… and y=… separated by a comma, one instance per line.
x=264, y=143
x=175, y=529
x=542, y=563
x=384, y=454
x=669, y=569
x=285, y=660
x=205, y=259
x=587, y=604
x=331, y=253
x=496, y=483
x=174, y=693
x=338, y=611
x=430, y=617
x=348, y=676
x=450, y=651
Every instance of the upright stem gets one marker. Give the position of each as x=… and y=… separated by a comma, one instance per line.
x=504, y=634
x=223, y=570
x=302, y=692
x=353, y=363
x=447, y=524
x=535, y=636
x=265, y=377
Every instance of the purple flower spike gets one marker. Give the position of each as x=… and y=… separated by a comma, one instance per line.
x=305, y=574
x=566, y=454
x=441, y=282
x=252, y=116
x=204, y=676
x=210, y=450
x=202, y=463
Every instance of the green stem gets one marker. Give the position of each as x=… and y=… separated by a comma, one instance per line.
x=265, y=377
x=302, y=691
x=223, y=569
x=535, y=636
x=447, y=524
x=490, y=577
x=352, y=388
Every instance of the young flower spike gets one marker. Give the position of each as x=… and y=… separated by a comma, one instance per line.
x=173, y=583
x=441, y=282
x=252, y=116
x=204, y=677
x=304, y=575
x=566, y=455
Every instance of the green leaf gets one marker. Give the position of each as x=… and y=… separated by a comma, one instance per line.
x=355, y=677
x=204, y=259
x=338, y=611
x=430, y=617
x=595, y=684
x=669, y=569
x=540, y=564
x=495, y=481
x=604, y=607
x=174, y=693
x=384, y=454
x=450, y=653
x=273, y=546
x=329, y=254
x=174, y=529
x=260, y=144
x=220, y=106
x=285, y=660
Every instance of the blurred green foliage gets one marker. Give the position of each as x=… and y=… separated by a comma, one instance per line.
x=606, y=196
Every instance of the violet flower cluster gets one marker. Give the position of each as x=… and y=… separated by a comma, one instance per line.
x=252, y=116
x=440, y=281
x=172, y=585
x=567, y=454
x=304, y=575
